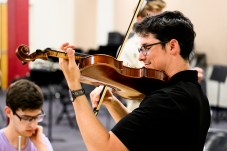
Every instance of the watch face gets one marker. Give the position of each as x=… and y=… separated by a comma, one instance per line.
x=76, y=93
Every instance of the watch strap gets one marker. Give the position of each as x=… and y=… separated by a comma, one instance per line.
x=76, y=93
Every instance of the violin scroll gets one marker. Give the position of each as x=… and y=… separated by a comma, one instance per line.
x=23, y=51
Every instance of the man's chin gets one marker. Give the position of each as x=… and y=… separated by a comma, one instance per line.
x=149, y=66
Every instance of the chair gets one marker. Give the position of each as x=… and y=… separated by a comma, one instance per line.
x=48, y=80
x=218, y=74
x=67, y=109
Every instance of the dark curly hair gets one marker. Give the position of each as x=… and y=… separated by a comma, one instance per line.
x=169, y=25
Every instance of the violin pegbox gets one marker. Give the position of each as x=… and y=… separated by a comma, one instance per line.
x=23, y=51
x=41, y=54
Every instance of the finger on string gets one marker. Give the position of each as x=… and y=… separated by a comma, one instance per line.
x=71, y=55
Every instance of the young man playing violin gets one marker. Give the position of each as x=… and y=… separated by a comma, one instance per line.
x=175, y=117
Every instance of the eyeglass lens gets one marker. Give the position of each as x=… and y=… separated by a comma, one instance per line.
x=38, y=118
x=145, y=49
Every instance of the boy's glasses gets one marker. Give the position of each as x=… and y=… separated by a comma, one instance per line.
x=38, y=118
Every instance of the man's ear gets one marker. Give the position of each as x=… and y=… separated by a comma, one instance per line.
x=174, y=47
x=8, y=111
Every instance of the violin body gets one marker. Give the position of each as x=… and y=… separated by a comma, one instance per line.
x=101, y=69
x=129, y=83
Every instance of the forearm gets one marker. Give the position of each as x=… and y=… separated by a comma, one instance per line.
x=41, y=146
x=94, y=134
x=116, y=109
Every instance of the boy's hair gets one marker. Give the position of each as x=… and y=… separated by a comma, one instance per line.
x=24, y=94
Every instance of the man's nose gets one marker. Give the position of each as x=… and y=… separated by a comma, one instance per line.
x=141, y=57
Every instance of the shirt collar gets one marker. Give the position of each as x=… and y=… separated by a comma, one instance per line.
x=186, y=75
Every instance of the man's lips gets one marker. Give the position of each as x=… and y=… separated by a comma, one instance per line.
x=147, y=64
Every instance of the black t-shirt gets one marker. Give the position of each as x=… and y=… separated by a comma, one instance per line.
x=174, y=118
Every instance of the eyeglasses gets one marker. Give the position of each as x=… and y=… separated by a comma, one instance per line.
x=145, y=49
x=38, y=118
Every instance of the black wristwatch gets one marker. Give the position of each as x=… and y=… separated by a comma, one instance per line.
x=75, y=93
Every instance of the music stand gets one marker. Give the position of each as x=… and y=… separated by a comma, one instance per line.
x=219, y=74
x=47, y=79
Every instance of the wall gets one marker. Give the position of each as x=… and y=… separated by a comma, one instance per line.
x=105, y=21
x=124, y=11
x=51, y=22
x=85, y=23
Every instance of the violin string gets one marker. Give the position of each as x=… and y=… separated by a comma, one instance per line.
x=82, y=54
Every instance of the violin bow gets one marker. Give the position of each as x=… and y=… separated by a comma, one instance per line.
x=140, y=5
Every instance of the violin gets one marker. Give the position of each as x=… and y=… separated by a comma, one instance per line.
x=101, y=69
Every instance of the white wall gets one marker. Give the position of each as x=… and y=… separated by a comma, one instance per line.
x=50, y=23
x=105, y=22
x=49, y=26
x=3, y=1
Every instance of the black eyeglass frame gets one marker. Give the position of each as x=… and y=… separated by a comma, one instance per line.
x=38, y=118
x=144, y=49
